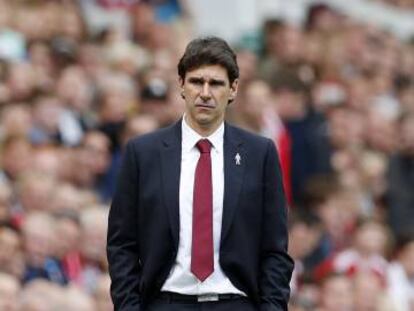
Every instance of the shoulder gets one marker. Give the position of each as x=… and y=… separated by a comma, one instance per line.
x=250, y=139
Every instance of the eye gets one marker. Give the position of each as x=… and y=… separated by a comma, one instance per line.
x=216, y=83
x=196, y=81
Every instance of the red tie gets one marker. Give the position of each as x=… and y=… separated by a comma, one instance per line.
x=202, y=264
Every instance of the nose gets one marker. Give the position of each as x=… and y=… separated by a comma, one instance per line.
x=205, y=92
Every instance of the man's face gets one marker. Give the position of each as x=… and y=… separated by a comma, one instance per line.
x=207, y=91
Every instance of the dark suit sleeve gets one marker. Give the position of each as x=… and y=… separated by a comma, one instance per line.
x=276, y=265
x=122, y=243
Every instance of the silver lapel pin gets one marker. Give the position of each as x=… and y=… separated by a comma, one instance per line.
x=237, y=158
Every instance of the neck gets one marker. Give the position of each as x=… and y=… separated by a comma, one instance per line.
x=203, y=131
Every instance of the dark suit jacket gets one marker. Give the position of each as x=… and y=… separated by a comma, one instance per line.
x=144, y=219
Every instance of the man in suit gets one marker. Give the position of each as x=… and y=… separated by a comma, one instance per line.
x=198, y=221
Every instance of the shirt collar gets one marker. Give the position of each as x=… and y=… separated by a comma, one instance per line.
x=191, y=137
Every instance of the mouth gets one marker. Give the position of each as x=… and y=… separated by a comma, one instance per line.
x=205, y=106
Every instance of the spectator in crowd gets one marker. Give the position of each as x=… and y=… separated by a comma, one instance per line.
x=101, y=294
x=16, y=157
x=39, y=244
x=11, y=253
x=41, y=295
x=93, y=246
x=400, y=275
x=366, y=253
x=401, y=179
x=336, y=293
x=9, y=292
x=78, y=79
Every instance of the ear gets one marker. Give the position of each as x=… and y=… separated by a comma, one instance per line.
x=233, y=90
x=180, y=81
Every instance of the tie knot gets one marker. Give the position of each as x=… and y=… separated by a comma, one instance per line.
x=204, y=146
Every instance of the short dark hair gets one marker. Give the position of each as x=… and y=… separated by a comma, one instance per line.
x=209, y=51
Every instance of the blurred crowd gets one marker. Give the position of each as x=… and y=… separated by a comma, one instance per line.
x=336, y=96
x=403, y=4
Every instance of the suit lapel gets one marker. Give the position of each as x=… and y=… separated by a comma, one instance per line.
x=233, y=177
x=170, y=153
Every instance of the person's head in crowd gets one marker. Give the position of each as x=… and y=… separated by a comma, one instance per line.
x=97, y=146
x=42, y=295
x=82, y=176
x=369, y=291
x=248, y=62
x=334, y=57
x=290, y=95
x=143, y=18
x=286, y=41
x=336, y=293
x=164, y=61
x=406, y=130
x=20, y=81
x=155, y=95
x=47, y=110
x=308, y=294
x=373, y=173
x=346, y=127
x=9, y=292
x=71, y=23
x=76, y=299
x=101, y=294
x=160, y=37
x=39, y=229
x=47, y=160
x=69, y=156
x=327, y=95
x=334, y=205
x=305, y=232
x=93, y=221
x=6, y=194
x=313, y=43
x=67, y=232
x=11, y=252
x=322, y=18
x=359, y=93
x=123, y=56
x=40, y=55
x=255, y=101
x=138, y=125
x=405, y=253
x=296, y=304
x=92, y=158
x=116, y=97
x=66, y=197
x=64, y=51
x=74, y=89
x=405, y=93
x=271, y=36
x=27, y=22
x=5, y=14
x=16, y=156
x=91, y=59
x=16, y=120
x=35, y=190
x=381, y=130
x=372, y=238
x=406, y=67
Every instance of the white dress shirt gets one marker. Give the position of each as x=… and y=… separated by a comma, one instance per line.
x=181, y=280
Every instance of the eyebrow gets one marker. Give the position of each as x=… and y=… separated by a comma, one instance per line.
x=213, y=81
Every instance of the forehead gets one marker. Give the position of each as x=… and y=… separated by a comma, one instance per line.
x=208, y=72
